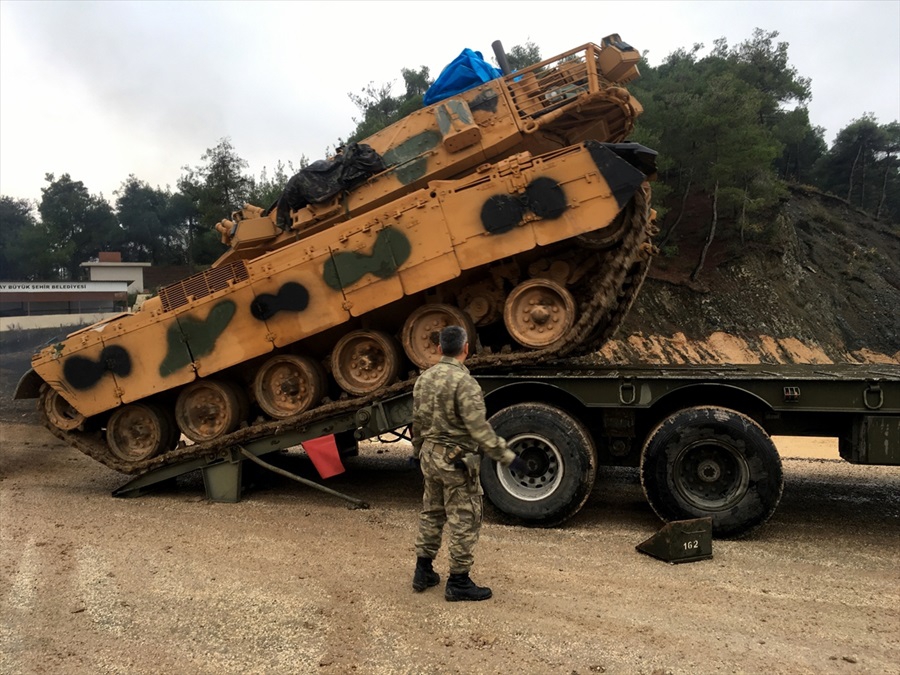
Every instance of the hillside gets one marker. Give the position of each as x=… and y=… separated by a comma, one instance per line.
x=818, y=283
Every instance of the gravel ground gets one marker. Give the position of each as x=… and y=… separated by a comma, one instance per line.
x=290, y=580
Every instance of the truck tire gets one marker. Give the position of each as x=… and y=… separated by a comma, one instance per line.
x=712, y=462
x=562, y=465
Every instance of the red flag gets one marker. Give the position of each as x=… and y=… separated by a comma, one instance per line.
x=324, y=455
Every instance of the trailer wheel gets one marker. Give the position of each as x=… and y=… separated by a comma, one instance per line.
x=562, y=465
x=712, y=462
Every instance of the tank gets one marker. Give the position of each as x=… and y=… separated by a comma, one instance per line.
x=515, y=209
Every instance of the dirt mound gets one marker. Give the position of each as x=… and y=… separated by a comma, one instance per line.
x=816, y=282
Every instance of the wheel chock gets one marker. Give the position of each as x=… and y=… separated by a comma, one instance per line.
x=681, y=541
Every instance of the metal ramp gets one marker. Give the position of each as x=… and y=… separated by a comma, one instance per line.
x=222, y=476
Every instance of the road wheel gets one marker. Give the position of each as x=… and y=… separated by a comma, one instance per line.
x=287, y=385
x=364, y=361
x=207, y=409
x=58, y=410
x=715, y=462
x=139, y=431
x=423, y=327
x=561, y=459
x=539, y=313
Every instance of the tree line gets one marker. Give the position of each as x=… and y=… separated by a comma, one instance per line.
x=732, y=129
x=69, y=225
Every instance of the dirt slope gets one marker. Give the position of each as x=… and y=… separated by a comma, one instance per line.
x=815, y=281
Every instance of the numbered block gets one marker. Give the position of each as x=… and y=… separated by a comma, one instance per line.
x=681, y=541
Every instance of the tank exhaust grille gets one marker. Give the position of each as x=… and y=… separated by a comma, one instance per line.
x=202, y=284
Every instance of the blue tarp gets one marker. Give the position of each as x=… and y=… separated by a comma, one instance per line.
x=467, y=70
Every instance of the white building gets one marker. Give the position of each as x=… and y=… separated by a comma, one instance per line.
x=109, y=267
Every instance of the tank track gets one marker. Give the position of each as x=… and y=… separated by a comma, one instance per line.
x=600, y=314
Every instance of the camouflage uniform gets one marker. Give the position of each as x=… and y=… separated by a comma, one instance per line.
x=448, y=424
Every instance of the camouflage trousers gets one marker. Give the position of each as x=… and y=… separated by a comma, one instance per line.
x=453, y=497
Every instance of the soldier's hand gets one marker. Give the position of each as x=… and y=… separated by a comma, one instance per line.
x=413, y=462
x=518, y=465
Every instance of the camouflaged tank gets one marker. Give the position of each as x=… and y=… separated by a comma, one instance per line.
x=514, y=209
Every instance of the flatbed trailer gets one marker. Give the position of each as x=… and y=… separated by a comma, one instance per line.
x=700, y=435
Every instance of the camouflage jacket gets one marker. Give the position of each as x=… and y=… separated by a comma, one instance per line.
x=448, y=408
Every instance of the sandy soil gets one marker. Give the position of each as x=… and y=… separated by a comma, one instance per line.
x=720, y=347
x=290, y=580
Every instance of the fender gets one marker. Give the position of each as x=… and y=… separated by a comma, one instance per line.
x=29, y=385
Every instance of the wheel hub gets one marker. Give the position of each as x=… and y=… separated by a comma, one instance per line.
x=207, y=412
x=537, y=462
x=364, y=361
x=287, y=385
x=543, y=473
x=709, y=471
x=540, y=314
x=711, y=475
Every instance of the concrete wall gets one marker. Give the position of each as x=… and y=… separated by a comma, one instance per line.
x=51, y=321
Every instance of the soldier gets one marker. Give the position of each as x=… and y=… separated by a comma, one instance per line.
x=450, y=433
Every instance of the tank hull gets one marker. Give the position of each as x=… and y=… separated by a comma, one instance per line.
x=228, y=316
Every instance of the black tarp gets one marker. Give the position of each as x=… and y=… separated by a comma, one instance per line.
x=325, y=178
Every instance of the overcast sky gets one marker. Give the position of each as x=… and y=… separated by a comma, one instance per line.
x=101, y=90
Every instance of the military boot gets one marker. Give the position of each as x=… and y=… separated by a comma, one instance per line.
x=425, y=576
x=461, y=587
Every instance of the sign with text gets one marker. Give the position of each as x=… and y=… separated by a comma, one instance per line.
x=63, y=286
